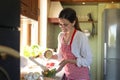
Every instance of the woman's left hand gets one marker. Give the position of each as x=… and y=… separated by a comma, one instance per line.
x=62, y=64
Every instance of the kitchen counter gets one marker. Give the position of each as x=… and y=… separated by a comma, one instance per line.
x=28, y=66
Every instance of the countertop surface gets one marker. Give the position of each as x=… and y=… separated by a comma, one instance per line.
x=28, y=66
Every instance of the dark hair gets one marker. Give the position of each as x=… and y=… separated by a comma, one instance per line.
x=70, y=14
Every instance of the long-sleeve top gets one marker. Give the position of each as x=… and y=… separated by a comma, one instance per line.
x=79, y=47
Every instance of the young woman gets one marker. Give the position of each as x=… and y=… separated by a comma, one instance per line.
x=73, y=47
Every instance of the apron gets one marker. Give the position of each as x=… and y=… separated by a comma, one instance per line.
x=72, y=71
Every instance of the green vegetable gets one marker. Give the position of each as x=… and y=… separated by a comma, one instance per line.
x=49, y=73
x=33, y=50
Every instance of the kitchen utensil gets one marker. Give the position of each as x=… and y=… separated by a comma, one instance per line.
x=42, y=66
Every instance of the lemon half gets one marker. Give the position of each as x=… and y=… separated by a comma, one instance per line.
x=48, y=54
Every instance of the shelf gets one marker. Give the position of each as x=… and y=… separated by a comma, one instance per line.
x=87, y=21
x=53, y=20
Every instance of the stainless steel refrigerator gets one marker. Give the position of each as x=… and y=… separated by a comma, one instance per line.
x=111, y=26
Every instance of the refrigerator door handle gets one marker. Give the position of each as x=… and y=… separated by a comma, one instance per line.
x=105, y=53
x=105, y=50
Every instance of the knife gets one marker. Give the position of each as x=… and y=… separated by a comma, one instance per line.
x=42, y=66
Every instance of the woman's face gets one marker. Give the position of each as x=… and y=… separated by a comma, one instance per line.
x=65, y=25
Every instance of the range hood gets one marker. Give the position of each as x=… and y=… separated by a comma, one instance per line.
x=54, y=10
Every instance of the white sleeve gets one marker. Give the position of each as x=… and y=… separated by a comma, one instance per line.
x=82, y=51
x=58, y=48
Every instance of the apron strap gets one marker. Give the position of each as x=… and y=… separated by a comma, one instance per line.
x=72, y=37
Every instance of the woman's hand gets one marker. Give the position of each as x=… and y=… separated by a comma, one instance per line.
x=64, y=62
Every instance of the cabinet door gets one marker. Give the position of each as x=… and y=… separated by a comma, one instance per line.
x=26, y=2
x=25, y=7
x=34, y=8
x=25, y=10
x=29, y=8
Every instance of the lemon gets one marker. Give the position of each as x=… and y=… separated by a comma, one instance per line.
x=48, y=54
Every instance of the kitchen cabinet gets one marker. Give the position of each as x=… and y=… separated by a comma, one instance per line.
x=29, y=8
x=25, y=10
x=34, y=9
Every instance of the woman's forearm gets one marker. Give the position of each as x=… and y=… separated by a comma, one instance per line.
x=72, y=61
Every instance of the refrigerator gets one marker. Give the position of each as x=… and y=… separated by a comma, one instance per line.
x=111, y=26
x=10, y=38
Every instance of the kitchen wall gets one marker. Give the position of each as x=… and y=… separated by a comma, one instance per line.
x=95, y=42
x=52, y=33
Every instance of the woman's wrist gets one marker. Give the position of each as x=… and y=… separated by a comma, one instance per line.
x=71, y=61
